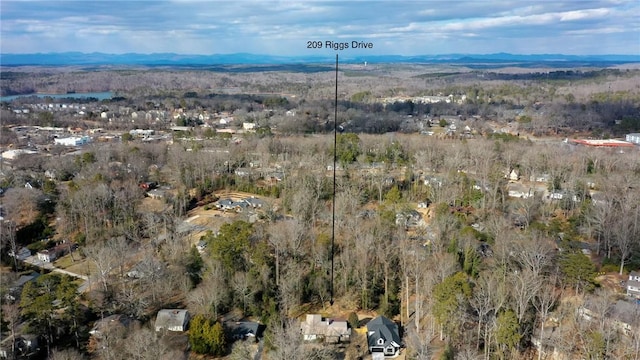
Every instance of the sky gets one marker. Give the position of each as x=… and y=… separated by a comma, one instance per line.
x=578, y=27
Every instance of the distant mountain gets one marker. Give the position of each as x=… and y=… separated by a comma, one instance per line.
x=171, y=59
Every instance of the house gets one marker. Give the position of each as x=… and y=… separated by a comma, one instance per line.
x=228, y=204
x=410, y=219
x=50, y=255
x=633, y=284
x=172, y=320
x=315, y=327
x=514, y=175
x=21, y=347
x=156, y=194
x=110, y=324
x=201, y=246
x=254, y=202
x=47, y=256
x=22, y=254
x=16, y=288
x=383, y=337
x=543, y=178
x=516, y=190
x=623, y=315
x=241, y=330
x=626, y=316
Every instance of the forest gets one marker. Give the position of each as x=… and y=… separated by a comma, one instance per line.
x=428, y=231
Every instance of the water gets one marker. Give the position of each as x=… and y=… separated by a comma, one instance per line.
x=98, y=95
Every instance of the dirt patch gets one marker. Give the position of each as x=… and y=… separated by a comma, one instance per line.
x=612, y=281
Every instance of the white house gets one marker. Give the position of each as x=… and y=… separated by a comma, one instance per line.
x=248, y=126
x=47, y=256
x=633, y=284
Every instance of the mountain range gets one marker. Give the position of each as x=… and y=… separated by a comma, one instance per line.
x=172, y=59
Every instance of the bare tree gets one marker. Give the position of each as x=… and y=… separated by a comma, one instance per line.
x=544, y=301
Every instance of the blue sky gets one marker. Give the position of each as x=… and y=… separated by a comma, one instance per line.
x=578, y=27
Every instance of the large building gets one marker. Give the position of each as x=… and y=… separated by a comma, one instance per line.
x=72, y=141
x=603, y=143
x=633, y=138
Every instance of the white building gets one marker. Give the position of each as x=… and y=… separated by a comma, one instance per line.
x=13, y=154
x=72, y=141
x=633, y=138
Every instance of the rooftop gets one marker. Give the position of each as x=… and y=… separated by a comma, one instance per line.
x=603, y=143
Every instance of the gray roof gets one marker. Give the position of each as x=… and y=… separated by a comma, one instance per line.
x=25, y=279
x=385, y=329
x=171, y=319
x=242, y=329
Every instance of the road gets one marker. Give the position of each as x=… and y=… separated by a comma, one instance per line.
x=33, y=260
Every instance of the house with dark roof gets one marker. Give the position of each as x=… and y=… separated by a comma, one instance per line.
x=383, y=337
x=241, y=330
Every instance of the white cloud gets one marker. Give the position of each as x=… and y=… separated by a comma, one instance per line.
x=411, y=27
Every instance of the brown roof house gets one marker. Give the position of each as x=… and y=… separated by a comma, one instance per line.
x=315, y=327
x=172, y=320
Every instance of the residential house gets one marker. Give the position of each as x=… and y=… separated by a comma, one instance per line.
x=254, y=202
x=47, y=256
x=410, y=219
x=315, y=327
x=16, y=288
x=243, y=172
x=241, y=330
x=20, y=347
x=626, y=316
x=117, y=323
x=201, y=246
x=516, y=190
x=22, y=253
x=172, y=320
x=50, y=255
x=633, y=284
x=383, y=337
x=156, y=194
x=514, y=175
x=543, y=178
x=623, y=315
x=228, y=204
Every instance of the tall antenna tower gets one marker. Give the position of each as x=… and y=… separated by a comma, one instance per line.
x=335, y=152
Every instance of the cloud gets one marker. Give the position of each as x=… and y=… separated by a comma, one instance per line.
x=282, y=27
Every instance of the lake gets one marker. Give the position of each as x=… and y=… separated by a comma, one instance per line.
x=97, y=95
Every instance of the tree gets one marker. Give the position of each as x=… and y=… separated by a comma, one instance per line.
x=193, y=266
x=230, y=244
x=348, y=148
x=507, y=335
x=578, y=270
x=47, y=304
x=450, y=297
x=544, y=301
x=206, y=336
